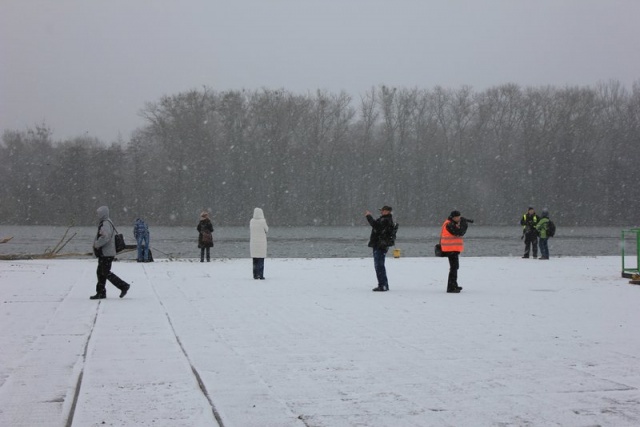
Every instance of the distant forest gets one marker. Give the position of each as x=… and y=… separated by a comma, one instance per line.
x=324, y=158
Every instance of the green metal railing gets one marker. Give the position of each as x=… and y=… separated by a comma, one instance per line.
x=626, y=270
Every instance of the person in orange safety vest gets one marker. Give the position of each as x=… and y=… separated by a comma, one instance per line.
x=452, y=245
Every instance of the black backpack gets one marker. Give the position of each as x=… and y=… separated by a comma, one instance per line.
x=393, y=234
x=551, y=229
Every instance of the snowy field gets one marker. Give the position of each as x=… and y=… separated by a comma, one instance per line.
x=527, y=343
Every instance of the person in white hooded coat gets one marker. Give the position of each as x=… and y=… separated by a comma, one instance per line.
x=258, y=242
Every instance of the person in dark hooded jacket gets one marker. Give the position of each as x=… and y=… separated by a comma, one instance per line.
x=381, y=230
x=529, y=232
x=205, y=236
x=104, y=247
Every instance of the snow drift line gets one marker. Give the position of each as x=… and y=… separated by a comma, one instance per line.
x=203, y=388
x=76, y=395
x=196, y=374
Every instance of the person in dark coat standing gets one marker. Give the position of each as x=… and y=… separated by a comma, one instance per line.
x=381, y=230
x=528, y=222
x=104, y=247
x=205, y=236
x=453, y=228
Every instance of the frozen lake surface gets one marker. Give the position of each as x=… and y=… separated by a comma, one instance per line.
x=319, y=242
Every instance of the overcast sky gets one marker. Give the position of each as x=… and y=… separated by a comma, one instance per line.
x=87, y=67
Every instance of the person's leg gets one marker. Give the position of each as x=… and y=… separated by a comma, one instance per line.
x=544, y=248
x=202, y=254
x=527, y=245
x=534, y=245
x=139, y=241
x=256, y=273
x=452, y=280
x=208, y=254
x=381, y=271
x=111, y=277
x=118, y=283
x=104, y=265
x=146, y=248
x=261, y=268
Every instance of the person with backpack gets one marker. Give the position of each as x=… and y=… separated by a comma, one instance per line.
x=528, y=222
x=104, y=248
x=546, y=229
x=382, y=230
x=452, y=244
x=205, y=236
x=141, y=233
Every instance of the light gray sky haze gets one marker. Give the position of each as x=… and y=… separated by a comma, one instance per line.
x=88, y=67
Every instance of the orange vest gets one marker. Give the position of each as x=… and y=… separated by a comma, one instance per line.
x=448, y=241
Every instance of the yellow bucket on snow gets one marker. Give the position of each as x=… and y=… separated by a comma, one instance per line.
x=396, y=253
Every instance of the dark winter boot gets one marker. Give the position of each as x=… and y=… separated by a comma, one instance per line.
x=124, y=289
x=101, y=292
x=452, y=287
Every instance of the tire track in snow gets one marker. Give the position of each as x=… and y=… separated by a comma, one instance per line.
x=196, y=374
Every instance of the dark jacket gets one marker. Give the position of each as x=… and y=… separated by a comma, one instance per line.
x=204, y=224
x=381, y=230
x=457, y=229
x=528, y=223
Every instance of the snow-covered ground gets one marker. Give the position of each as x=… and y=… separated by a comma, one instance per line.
x=527, y=343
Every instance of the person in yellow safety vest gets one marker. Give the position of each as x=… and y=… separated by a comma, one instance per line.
x=529, y=233
x=452, y=245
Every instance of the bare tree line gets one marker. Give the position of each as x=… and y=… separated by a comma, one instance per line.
x=323, y=158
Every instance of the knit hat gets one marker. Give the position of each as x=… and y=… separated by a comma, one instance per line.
x=455, y=213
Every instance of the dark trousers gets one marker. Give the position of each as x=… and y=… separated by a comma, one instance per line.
x=202, y=252
x=454, y=265
x=104, y=273
x=379, y=256
x=531, y=240
x=258, y=268
x=544, y=247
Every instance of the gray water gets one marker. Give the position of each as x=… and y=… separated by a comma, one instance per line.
x=319, y=242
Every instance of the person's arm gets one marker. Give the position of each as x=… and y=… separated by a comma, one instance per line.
x=457, y=229
x=104, y=235
x=372, y=222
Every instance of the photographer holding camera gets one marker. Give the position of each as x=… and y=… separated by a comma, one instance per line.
x=454, y=227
